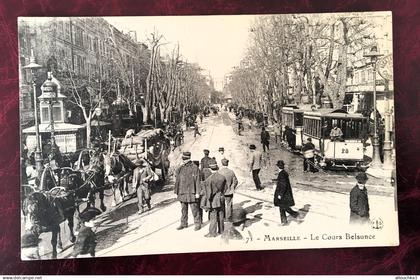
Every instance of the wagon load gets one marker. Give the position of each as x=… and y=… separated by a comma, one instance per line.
x=152, y=143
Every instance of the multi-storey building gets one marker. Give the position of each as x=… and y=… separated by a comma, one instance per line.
x=90, y=48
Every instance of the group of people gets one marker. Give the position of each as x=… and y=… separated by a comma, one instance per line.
x=208, y=185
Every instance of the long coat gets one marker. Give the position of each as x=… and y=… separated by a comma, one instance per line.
x=214, y=188
x=359, y=205
x=284, y=189
x=187, y=182
x=231, y=180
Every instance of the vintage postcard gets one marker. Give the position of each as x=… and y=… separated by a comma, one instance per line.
x=175, y=134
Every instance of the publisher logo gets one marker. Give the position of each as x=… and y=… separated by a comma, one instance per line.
x=377, y=223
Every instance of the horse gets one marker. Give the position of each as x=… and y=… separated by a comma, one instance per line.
x=118, y=169
x=85, y=185
x=46, y=211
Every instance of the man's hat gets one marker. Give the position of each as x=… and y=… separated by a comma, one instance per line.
x=186, y=155
x=206, y=151
x=309, y=139
x=225, y=162
x=140, y=163
x=280, y=164
x=361, y=177
x=89, y=213
x=29, y=240
x=252, y=147
x=221, y=149
x=213, y=165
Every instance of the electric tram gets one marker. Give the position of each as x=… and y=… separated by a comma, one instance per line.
x=345, y=152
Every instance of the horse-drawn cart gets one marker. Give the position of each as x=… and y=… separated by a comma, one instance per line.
x=151, y=145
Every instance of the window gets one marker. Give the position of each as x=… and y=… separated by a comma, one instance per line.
x=45, y=116
x=57, y=113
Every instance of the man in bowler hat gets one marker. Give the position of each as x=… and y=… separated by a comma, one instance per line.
x=213, y=200
x=283, y=195
x=359, y=201
x=231, y=184
x=255, y=165
x=141, y=177
x=187, y=188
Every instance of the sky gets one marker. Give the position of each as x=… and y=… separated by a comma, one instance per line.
x=216, y=43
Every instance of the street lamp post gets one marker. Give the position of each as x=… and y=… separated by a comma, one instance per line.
x=49, y=89
x=33, y=66
x=376, y=161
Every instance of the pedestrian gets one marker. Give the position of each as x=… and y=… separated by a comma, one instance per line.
x=309, y=156
x=142, y=174
x=277, y=132
x=196, y=130
x=220, y=155
x=290, y=136
x=265, y=139
x=201, y=117
x=231, y=184
x=255, y=165
x=31, y=174
x=204, y=163
x=213, y=201
x=283, y=195
x=187, y=188
x=359, y=201
x=85, y=244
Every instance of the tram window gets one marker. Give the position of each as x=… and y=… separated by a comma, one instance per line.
x=298, y=119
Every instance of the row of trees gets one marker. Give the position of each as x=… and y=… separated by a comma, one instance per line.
x=295, y=58
x=149, y=85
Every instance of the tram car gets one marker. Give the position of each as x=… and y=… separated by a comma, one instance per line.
x=346, y=152
x=293, y=118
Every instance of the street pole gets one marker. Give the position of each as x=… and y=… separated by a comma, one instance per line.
x=387, y=141
x=38, y=155
x=376, y=160
x=33, y=66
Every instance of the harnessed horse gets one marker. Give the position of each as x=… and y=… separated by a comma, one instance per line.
x=48, y=208
x=118, y=169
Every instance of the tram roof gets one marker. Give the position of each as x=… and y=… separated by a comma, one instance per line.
x=337, y=113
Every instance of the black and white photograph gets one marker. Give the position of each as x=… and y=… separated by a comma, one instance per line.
x=150, y=135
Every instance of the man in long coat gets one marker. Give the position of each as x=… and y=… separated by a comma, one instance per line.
x=231, y=184
x=265, y=139
x=359, y=201
x=187, y=187
x=283, y=195
x=213, y=200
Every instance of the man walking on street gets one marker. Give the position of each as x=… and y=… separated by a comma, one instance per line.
x=255, y=165
x=213, y=200
x=196, y=130
x=231, y=184
x=141, y=176
x=359, y=201
x=277, y=132
x=283, y=195
x=265, y=139
x=220, y=155
x=187, y=188
x=309, y=156
x=204, y=163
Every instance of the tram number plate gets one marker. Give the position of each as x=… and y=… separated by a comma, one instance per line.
x=344, y=151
